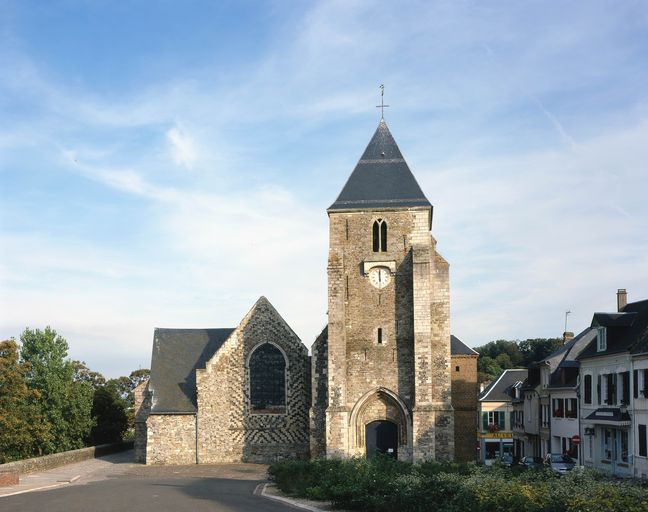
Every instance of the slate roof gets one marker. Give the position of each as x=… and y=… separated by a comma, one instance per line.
x=459, y=348
x=567, y=356
x=497, y=391
x=626, y=331
x=176, y=355
x=381, y=179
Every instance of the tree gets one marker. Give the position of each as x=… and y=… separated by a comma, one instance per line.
x=500, y=355
x=487, y=369
x=66, y=404
x=536, y=349
x=124, y=387
x=138, y=376
x=109, y=411
x=21, y=425
x=84, y=374
x=504, y=361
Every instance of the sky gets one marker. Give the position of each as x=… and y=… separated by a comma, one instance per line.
x=164, y=164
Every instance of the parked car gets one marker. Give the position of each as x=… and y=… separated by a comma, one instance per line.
x=560, y=464
x=532, y=462
x=506, y=460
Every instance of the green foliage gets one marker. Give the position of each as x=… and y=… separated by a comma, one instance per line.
x=382, y=484
x=109, y=412
x=65, y=404
x=21, y=426
x=537, y=349
x=49, y=404
x=500, y=355
x=124, y=387
x=84, y=374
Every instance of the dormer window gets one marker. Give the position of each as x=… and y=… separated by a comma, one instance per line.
x=601, y=340
x=380, y=236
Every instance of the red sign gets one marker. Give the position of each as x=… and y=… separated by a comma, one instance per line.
x=576, y=439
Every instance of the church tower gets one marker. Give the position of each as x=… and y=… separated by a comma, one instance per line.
x=386, y=350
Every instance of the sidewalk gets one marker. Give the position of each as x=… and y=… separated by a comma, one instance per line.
x=83, y=472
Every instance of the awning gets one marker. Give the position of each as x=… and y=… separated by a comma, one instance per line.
x=610, y=416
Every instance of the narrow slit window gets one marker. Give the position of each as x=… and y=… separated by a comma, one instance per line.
x=379, y=233
x=380, y=337
x=376, y=237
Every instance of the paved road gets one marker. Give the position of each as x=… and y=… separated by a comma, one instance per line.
x=115, y=484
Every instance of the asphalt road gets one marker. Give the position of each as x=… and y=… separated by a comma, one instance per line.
x=155, y=489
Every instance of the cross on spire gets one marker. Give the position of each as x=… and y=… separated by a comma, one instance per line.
x=382, y=105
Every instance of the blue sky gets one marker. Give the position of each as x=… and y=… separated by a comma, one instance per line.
x=163, y=164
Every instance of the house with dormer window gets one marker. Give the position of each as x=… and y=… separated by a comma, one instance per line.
x=611, y=406
x=496, y=418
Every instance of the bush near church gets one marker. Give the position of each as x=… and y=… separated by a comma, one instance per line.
x=382, y=484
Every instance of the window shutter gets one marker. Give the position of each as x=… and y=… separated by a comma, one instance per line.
x=502, y=421
x=635, y=383
x=485, y=420
x=598, y=388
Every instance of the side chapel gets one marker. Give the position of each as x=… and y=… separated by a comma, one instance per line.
x=380, y=376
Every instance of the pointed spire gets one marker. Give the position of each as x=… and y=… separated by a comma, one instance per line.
x=381, y=179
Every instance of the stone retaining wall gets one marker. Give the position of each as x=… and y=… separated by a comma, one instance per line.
x=61, y=459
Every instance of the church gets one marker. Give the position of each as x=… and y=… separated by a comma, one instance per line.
x=385, y=374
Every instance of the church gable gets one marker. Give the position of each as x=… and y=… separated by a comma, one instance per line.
x=253, y=395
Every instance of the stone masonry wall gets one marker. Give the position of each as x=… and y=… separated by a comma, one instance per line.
x=142, y=407
x=464, y=403
x=441, y=395
x=319, y=364
x=171, y=439
x=228, y=429
x=407, y=362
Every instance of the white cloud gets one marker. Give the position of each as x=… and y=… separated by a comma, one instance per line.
x=528, y=234
x=183, y=147
x=531, y=236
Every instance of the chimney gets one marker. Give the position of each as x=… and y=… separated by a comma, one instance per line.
x=622, y=299
x=567, y=336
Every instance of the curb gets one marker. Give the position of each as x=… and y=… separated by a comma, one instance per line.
x=261, y=491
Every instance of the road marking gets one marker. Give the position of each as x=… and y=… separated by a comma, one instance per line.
x=35, y=489
x=287, y=501
x=70, y=480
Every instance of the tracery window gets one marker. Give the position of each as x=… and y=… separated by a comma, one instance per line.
x=267, y=380
x=380, y=235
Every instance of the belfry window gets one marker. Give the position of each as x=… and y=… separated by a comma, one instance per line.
x=268, y=380
x=380, y=236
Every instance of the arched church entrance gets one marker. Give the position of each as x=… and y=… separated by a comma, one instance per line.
x=380, y=422
x=381, y=437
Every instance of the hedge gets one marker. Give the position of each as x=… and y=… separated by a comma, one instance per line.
x=383, y=484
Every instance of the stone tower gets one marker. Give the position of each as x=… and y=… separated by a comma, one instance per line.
x=384, y=364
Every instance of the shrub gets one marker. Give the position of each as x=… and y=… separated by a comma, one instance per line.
x=382, y=484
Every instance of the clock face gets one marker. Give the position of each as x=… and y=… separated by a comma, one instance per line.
x=379, y=277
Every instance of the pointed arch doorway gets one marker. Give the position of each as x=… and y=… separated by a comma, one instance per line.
x=381, y=436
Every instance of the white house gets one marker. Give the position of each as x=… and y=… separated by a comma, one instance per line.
x=611, y=408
